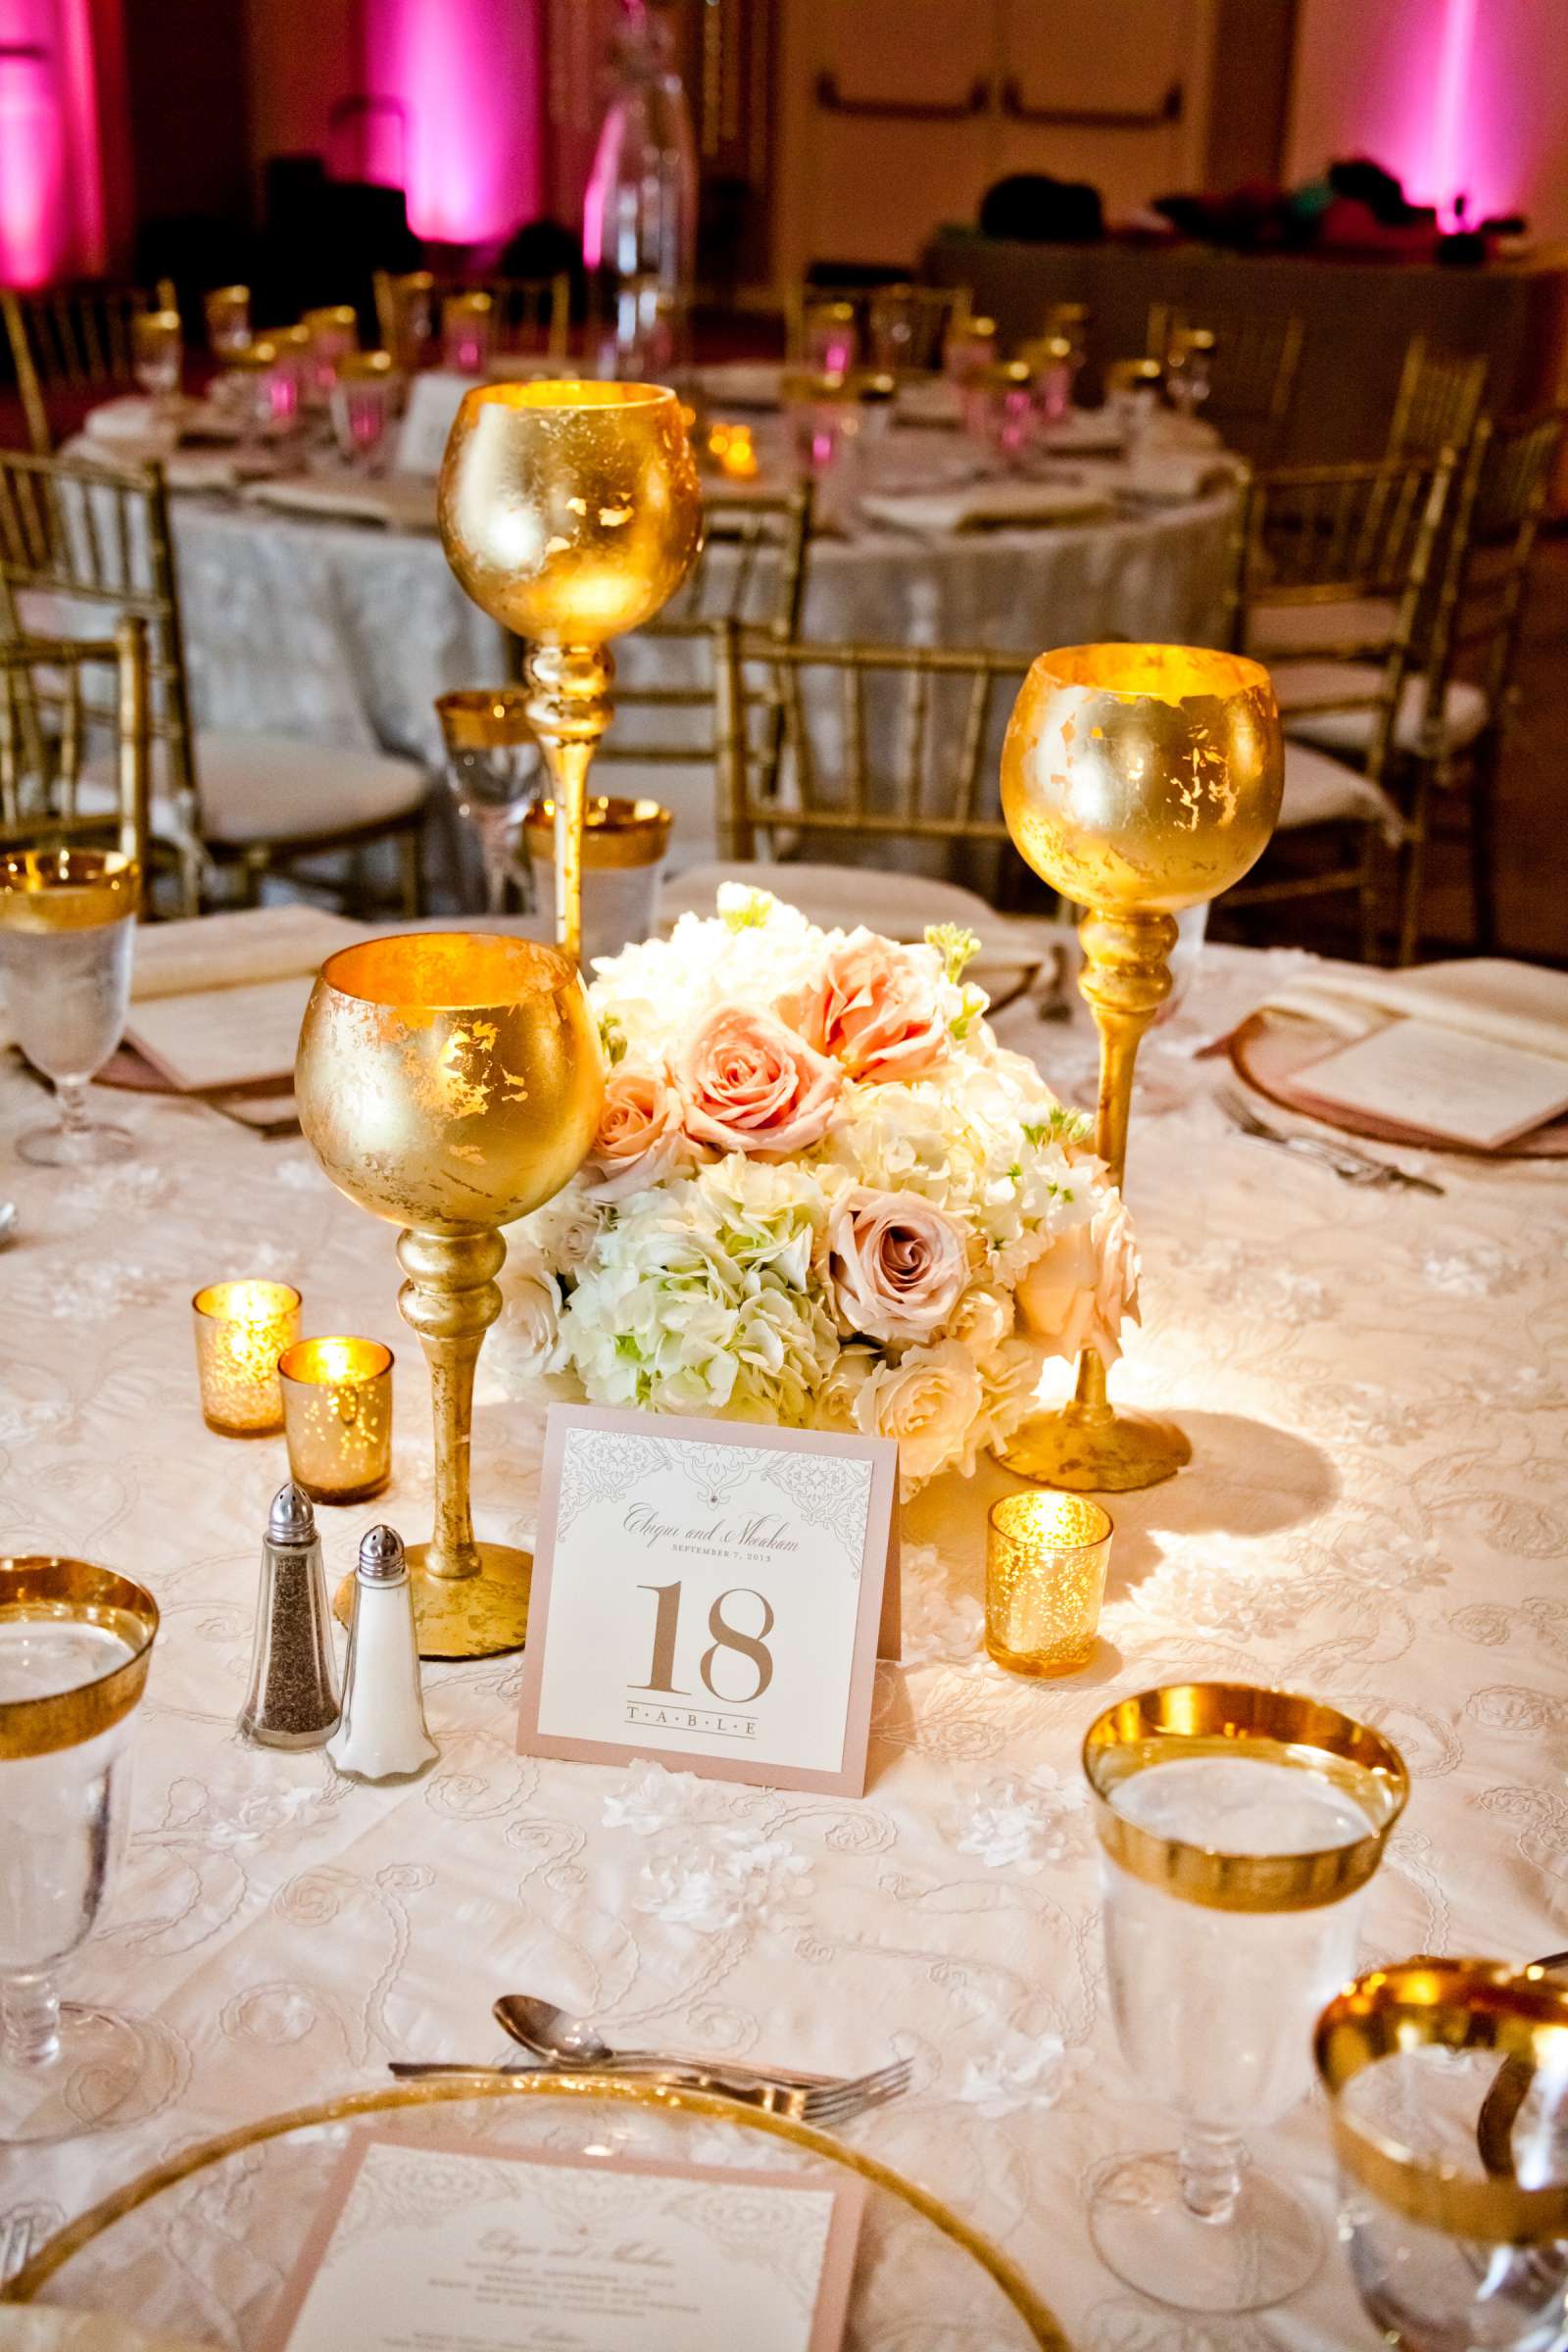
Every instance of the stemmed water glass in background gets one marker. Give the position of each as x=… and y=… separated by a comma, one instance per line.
x=332, y=332
x=493, y=770
x=1448, y=2087
x=1188, y=361
x=830, y=341
x=75, y=1646
x=468, y=332
x=1005, y=408
x=1238, y=1830
x=227, y=311
x=1132, y=398
x=158, y=357
x=364, y=395
x=67, y=920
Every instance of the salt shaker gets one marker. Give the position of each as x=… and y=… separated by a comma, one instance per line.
x=293, y=1696
x=383, y=1734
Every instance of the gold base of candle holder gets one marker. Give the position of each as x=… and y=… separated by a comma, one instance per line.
x=1096, y=1453
x=476, y=1616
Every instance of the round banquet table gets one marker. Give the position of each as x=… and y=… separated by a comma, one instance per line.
x=1376, y=1511
x=345, y=631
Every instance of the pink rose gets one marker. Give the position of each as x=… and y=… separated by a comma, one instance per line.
x=876, y=1007
x=1077, y=1294
x=898, y=1263
x=752, y=1085
x=641, y=1138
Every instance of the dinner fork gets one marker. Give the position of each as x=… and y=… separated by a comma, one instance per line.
x=1355, y=1168
x=823, y=2104
x=15, y=2245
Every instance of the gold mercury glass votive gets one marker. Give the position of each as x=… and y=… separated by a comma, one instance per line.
x=337, y=1417
x=1046, y=1561
x=242, y=1328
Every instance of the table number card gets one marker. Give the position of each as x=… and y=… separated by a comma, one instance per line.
x=461, y=2249
x=710, y=1595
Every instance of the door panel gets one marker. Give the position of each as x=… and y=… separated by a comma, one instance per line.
x=1107, y=57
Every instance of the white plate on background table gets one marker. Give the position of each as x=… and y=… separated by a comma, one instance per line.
x=238, y=2209
x=1015, y=949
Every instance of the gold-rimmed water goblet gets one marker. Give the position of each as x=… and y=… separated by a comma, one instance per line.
x=68, y=925
x=492, y=770
x=452, y=1082
x=74, y=1645
x=1137, y=780
x=570, y=514
x=1238, y=1829
x=1448, y=2089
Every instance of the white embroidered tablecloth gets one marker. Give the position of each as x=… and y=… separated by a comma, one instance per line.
x=1377, y=1510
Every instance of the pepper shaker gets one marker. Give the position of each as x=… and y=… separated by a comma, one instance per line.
x=293, y=1696
x=383, y=1734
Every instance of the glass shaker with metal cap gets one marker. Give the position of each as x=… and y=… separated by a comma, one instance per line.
x=383, y=1734
x=293, y=1696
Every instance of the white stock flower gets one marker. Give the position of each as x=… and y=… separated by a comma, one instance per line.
x=742, y=1878
x=1018, y=1823
x=648, y=1799
x=1019, y=2070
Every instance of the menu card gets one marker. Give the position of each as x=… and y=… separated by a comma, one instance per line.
x=453, y=2248
x=217, y=1002
x=1437, y=1082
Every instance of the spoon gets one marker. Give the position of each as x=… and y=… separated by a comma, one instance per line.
x=8, y=1223
x=559, y=2039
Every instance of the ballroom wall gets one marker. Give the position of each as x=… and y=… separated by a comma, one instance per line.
x=1451, y=94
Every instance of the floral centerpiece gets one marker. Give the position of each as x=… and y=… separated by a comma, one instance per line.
x=821, y=1194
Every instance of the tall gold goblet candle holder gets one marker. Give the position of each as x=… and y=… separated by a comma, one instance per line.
x=451, y=1083
x=1136, y=780
x=570, y=514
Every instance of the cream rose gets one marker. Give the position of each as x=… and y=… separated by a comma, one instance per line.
x=1079, y=1291
x=750, y=1084
x=898, y=1264
x=982, y=1319
x=876, y=1008
x=930, y=1402
x=642, y=1136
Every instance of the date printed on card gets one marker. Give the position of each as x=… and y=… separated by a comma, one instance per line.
x=708, y=1594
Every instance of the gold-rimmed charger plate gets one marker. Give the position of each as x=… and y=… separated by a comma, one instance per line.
x=207, y=2240
x=1272, y=1052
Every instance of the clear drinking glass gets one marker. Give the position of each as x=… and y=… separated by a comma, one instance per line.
x=1189, y=365
x=227, y=312
x=1003, y=407
x=830, y=338
x=493, y=770
x=332, y=332
x=1447, y=2086
x=623, y=845
x=365, y=393
x=468, y=332
x=1238, y=1830
x=74, y=1645
x=157, y=353
x=68, y=921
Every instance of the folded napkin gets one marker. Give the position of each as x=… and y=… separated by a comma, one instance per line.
x=135, y=419
x=985, y=506
x=40, y=2328
x=236, y=950
x=398, y=502
x=929, y=400
x=1157, y=478
x=1487, y=998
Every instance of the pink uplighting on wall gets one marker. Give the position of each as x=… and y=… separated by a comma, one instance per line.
x=466, y=72
x=51, y=186
x=1447, y=177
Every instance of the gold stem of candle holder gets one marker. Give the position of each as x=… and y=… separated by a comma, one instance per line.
x=1085, y=1446
x=568, y=708
x=471, y=1599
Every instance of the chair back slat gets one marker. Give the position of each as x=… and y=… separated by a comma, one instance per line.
x=46, y=726
x=74, y=340
x=1438, y=401
x=1251, y=374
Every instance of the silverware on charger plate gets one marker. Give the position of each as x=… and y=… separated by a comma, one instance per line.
x=8, y=1223
x=555, y=2037
x=823, y=2104
x=1355, y=1168
x=15, y=2245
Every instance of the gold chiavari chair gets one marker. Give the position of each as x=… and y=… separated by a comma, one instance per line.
x=750, y=572
x=900, y=329
x=69, y=342
x=1354, y=544
x=1437, y=402
x=1456, y=711
x=527, y=314
x=46, y=722
x=83, y=537
x=882, y=743
x=1251, y=374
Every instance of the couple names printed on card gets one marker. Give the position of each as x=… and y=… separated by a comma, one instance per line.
x=712, y=1595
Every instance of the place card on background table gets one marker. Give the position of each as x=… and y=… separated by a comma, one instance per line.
x=712, y=1595
x=463, y=2249
x=1458, y=1089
